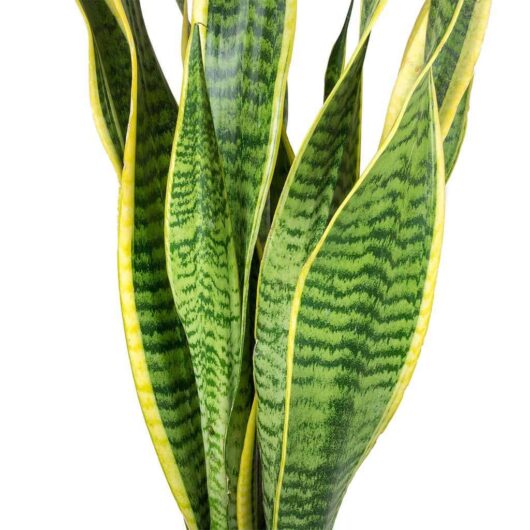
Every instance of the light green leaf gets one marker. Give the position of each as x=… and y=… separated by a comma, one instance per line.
x=158, y=350
x=454, y=68
x=302, y=216
x=203, y=269
x=359, y=315
x=247, y=55
x=369, y=10
x=248, y=50
x=297, y=230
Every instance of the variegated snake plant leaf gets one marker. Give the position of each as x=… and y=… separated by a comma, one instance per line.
x=274, y=302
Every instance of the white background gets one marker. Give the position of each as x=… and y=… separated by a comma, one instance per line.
x=74, y=452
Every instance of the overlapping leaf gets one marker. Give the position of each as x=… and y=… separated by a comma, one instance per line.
x=359, y=315
x=156, y=342
x=110, y=77
x=247, y=54
x=301, y=218
x=337, y=58
x=343, y=344
x=453, y=69
x=203, y=269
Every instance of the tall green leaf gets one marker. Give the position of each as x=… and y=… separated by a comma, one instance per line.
x=453, y=69
x=337, y=58
x=455, y=137
x=360, y=311
x=301, y=218
x=110, y=77
x=156, y=341
x=369, y=9
x=203, y=269
x=247, y=55
x=297, y=230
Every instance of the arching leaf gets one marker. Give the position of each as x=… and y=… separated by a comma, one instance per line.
x=247, y=55
x=110, y=77
x=453, y=70
x=203, y=269
x=157, y=345
x=302, y=216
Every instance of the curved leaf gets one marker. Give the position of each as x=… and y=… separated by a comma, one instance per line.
x=289, y=255
x=455, y=137
x=203, y=269
x=337, y=58
x=158, y=350
x=359, y=315
x=453, y=69
x=369, y=9
x=110, y=77
x=302, y=215
x=247, y=55
x=246, y=515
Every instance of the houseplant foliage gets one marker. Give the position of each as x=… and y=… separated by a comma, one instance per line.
x=274, y=303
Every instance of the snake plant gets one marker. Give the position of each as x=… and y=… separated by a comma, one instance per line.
x=274, y=303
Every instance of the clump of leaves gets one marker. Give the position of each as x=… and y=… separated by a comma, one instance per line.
x=274, y=303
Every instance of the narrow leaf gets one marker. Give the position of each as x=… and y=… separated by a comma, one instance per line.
x=158, y=350
x=453, y=69
x=369, y=10
x=203, y=269
x=247, y=55
x=110, y=77
x=246, y=485
x=337, y=58
x=455, y=137
x=359, y=315
x=297, y=229
x=301, y=218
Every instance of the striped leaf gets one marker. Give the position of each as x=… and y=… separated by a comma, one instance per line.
x=203, y=269
x=335, y=67
x=247, y=55
x=453, y=69
x=369, y=9
x=156, y=341
x=223, y=230
x=110, y=77
x=455, y=137
x=337, y=58
x=301, y=218
x=284, y=162
x=289, y=256
x=359, y=315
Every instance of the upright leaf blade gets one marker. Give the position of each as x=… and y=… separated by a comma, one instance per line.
x=290, y=247
x=110, y=77
x=301, y=218
x=455, y=137
x=203, y=269
x=359, y=315
x=247, y=55
x=337, y=58
x=453, y=69
x=158, y=350
x=369, y=9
